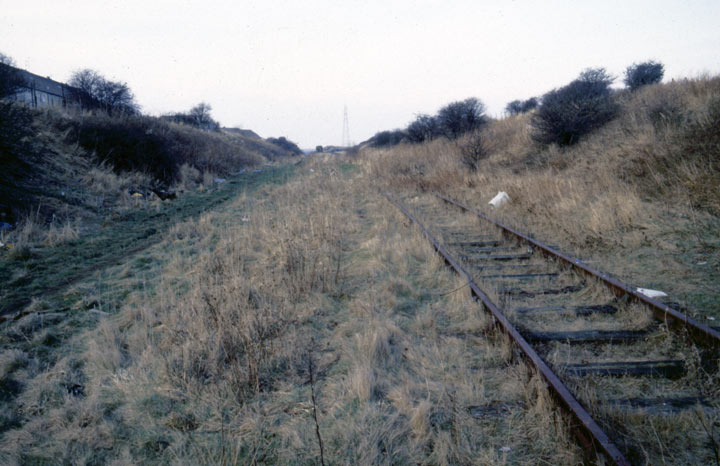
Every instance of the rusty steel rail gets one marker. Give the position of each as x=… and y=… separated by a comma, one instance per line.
x=700, y=333
x=591, y=437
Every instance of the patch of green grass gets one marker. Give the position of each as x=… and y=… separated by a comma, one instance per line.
x=52, y=269
x=346, y=168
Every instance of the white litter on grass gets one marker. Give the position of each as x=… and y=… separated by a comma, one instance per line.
x=504, y=448
x=500, y=198
x=702, y=263
x=711, y=318
x=312, y=171
x=219, y=180
x=245, y=219
x=651, y=293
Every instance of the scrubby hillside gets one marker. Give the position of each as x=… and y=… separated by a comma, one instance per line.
x=641, y=194
x=61, y=167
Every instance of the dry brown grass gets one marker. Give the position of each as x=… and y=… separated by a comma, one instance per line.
x=58, y=234
x=624, y=161
x=33, y=231
x=641, y=184
x=673, y=438
x=207, y=363
x=205, y=360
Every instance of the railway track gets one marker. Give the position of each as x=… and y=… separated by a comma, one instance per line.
x=631, y=373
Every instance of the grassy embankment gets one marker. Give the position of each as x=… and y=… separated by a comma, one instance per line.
x=80, y=189
x=639, y=197
x=49, y=268
x=66, y=173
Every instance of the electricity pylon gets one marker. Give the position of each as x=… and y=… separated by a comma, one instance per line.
x=346, y=129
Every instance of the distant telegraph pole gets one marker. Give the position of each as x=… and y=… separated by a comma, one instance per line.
x=346, y=129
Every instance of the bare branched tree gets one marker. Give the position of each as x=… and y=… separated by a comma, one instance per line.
x=201, y=116
x=424, y=128
x=116, y=97
x=84, y=87
x=198, y=117
x=92, y=90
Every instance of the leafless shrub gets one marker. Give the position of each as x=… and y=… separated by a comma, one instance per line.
x=227, y=331
x=474, y=149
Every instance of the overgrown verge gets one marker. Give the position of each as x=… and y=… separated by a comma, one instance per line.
x=206, y=357
x=638, y=194
x=45, y=260
x=64, y=173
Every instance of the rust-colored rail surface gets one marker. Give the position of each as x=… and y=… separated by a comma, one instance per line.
x=589, y=434
x=701, y=334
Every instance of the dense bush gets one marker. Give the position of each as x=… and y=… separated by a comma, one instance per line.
x=458, y=118
x=451, y=121
x=642, y=74
x=150, y=145
x=286, y=144
x=517, y=107
x=424, y=128
x=568, y=113
x=387, y=138
x=135, y=144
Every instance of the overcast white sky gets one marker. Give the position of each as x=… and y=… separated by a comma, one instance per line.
x=287, y=68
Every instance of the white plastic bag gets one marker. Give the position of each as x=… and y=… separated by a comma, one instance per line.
x=651, y=293
x=500, y=199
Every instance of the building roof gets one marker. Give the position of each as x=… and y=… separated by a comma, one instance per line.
x=46, y=85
